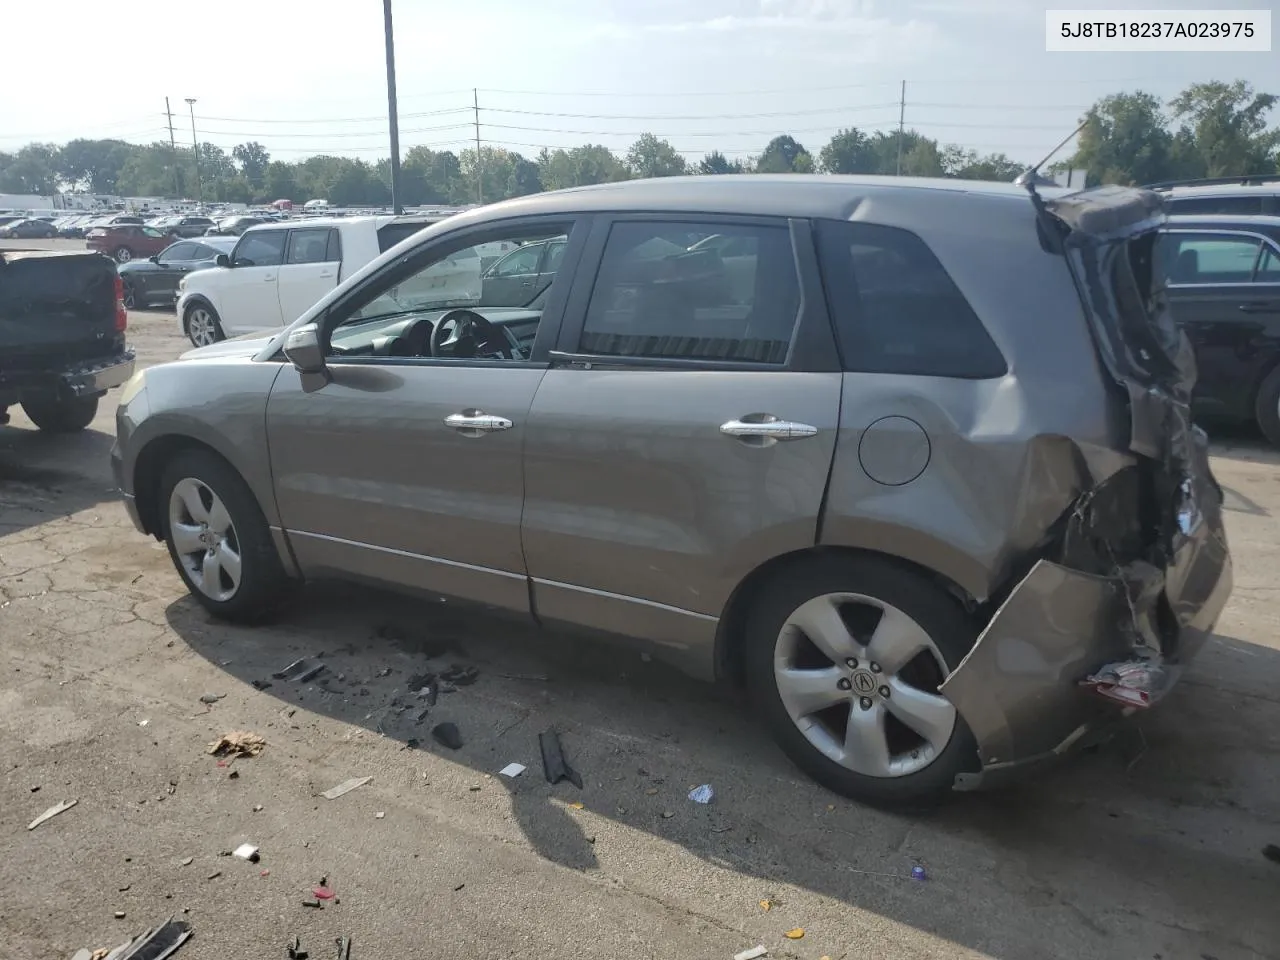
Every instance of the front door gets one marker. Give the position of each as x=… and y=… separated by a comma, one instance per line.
x=248, y=299
x=402, y=464
x=1223, y=295
x=684, y=435
x=310, y=270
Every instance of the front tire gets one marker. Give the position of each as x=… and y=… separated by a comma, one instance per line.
x=130, y=296
x=202, y=325
x=844, y=657
x=123, y=255
x=60, y=414
x=218, y=538
x=1267, y=407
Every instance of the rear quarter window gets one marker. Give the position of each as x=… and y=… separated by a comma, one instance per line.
x=896, y=310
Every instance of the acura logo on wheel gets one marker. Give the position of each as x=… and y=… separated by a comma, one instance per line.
x=864, y=683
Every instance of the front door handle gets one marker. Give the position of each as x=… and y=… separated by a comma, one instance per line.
x=475, y=423
x=1257, y=308
x=765, y=426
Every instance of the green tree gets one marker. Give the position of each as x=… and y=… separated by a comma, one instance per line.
x=1125, y=140
x=651, y=157
x=970, y=165
x=148, y=170
x=780, y=155
x=280, y=181
x=716, y=162
x=579, y=166
x=33, y=169
x=849, y=151
x=501, y=173
x=93, y=165
x=253, y=159
x=429, y=176
x=1228, y=124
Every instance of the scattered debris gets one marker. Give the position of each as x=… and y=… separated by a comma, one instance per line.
x=313, y=904
x=752, y=954
x=917, y=873
x=461, y=676
x=651, y=792
x=1272, y=852
x=344, y=947
x=384, y=672
x=768, y=903
x=531, y=677
x=345, y=787
x=157, y=943
x=447, y=734
x=143, y=723
x=577, y=805
x=262, y=685
x=379, y=815
x=52, y=812
x=554, y=765
x=125, y=888
x=119, y=914
x=173, y=787
x=246, y=851
x=212, y=698
x=36, y=788
x=703, y=794
x=257, y=808
x=667, y=814
x=300, y=671
x=264, y=873
x=233, y=775
x=187, y=861
x=295, y=949
x=323, y=891
x=458, y=887
x=422, y=716
x=512, y=770
x=238, y=743
x=646, y=658
x=796, y=934
x=215, y=875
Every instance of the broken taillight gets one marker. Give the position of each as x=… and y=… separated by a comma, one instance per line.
x=122, y=314
x=1134, y=683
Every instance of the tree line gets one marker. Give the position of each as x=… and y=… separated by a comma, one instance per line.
x=1209, y=130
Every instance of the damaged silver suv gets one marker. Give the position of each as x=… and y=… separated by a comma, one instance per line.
x=911, y=459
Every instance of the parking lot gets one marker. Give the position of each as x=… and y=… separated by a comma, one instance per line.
x=1151, y=847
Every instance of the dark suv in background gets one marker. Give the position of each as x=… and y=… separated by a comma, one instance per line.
x=1226, y=195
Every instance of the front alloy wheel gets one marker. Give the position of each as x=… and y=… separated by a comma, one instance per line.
x=204, y=539
x=202, y=326
x=123, y=255
x=130, y=296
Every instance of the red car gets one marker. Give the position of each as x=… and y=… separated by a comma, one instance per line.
x=124, y=241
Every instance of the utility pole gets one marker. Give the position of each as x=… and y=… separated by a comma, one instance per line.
x=173, y=152
x=195, y=147
x=392, y=111
x=902, y=114
x=475, y=99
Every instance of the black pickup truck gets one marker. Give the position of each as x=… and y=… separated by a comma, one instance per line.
x=62, y=336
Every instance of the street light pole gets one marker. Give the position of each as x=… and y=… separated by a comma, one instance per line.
x=392, y=112
x=195, y=148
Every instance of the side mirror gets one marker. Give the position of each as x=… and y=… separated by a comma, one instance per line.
x=302, y=347
x=223, y=260
x=154, y=258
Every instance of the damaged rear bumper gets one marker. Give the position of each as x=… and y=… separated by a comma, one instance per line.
x=1024, y=688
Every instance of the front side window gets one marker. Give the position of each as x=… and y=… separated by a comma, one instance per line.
x=1200, y=258
x=522, y=261
x=308, y=246
x=263, y=248
x=896, y=309
x=443, y=307
x=662, y=293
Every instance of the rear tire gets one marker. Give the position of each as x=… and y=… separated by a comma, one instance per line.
x=60, y=414
x=202, y=325
x=211, y=497
x=123, y=255
x=1267, y=407
x=863, y=591
x=130, y=296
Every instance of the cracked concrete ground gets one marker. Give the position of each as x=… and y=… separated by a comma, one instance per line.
x=1150, y=848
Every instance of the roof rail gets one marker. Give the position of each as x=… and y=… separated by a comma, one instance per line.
x=1216, y=181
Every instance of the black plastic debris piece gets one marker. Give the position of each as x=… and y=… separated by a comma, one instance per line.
x=413, y=743
x=1272, y=852
x=422, y=716
x=554, y=764
x=300, y=671
x=461, y=676
x=261, y=684
x=156, y=943
x=344, y=947
x=313, y=904
x=295, y=949
x=448, y=735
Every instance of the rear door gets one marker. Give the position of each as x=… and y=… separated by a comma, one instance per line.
x=513, y=280
x=681, y=437
x=307, y=273
x=1222, y=310
x=248, y=299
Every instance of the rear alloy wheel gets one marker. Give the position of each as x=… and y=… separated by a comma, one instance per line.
x=203, y=327
x=1267, y=407
x=130, y=296
x=847, y=657
x=54, y=414
x=218, y=538
x=123, y=254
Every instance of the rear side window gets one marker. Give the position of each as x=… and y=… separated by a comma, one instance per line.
x=1196, y=258
x=393, y=233
x=308, y=246
x=895, y=308
x=1193, y=205
x=659, y=294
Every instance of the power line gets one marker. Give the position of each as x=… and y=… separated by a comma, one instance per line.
x=682, y=133
x=692, y=116
x=371, y=119
x=328, y=136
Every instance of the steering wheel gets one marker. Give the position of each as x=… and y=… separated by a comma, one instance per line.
x=464, y=334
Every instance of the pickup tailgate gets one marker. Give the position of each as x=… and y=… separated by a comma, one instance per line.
x=56, y=306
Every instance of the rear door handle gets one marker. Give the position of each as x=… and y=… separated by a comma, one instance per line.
x=1258, y=308
x=269, y=277
x=767, y=427
x=476, y=422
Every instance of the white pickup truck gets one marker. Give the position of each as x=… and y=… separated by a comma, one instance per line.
x=278, y=270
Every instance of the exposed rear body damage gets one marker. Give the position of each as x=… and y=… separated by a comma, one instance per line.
x=1135, y=573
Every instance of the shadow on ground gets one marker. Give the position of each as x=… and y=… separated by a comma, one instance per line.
x=47, y=476
x=1166, y=815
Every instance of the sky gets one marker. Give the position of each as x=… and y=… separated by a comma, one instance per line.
x=304, y=77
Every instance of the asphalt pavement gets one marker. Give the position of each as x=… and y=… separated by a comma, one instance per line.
x=1148, y=848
